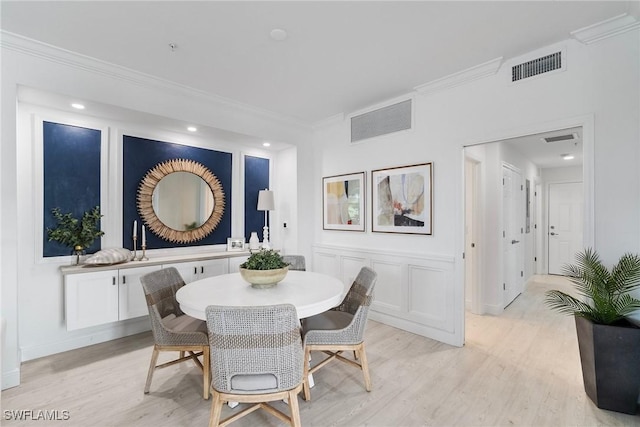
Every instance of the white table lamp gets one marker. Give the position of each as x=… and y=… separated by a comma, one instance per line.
x=266, y=204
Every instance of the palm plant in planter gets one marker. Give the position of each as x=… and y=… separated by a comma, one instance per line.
x=609, y=344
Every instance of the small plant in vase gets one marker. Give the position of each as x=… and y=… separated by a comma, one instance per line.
x=78, y=234
x=264, y=269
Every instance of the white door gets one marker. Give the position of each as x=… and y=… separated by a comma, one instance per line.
x=513, y=233
x=565, y=224
x=471, y=232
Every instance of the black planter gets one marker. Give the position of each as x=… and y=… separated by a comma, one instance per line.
x=610, y=358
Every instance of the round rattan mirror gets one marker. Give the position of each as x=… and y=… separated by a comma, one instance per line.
x=181, y=201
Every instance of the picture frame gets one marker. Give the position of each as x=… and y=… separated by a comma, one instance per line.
x=235, y=244
x=343, y=202
x=402, y=199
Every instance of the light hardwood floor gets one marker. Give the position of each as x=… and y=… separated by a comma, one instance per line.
x=518, y=369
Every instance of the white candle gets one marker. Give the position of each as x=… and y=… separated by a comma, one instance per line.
x=135, y=228
x=144, y=237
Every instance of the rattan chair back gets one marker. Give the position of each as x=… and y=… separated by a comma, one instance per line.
x=296, y=262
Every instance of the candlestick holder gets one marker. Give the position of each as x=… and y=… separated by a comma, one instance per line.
x=143, y=257
x=135, y=239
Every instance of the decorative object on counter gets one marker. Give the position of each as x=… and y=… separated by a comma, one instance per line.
x=609, y=343
x=177, y=173
x=109, y=256
x=134, y=236
x=235, y=244
x=266, y=204
x=264, y=269
x=143, y=257
x=78, y=234
x=254, y=242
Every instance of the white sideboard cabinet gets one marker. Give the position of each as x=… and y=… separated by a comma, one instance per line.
x=196, y=270
x=105, y=294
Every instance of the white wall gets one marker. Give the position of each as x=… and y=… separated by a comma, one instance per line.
x=32, y=295
x=601, y=81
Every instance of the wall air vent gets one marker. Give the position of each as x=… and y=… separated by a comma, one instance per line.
x=558, y=138
x=392, y=118
x=536, y=66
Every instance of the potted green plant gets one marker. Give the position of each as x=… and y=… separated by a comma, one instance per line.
x=78, y=234
x=609, y=344
x=264, y=269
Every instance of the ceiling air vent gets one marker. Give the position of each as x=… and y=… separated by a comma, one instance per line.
x=558, y=138
x=536, y=66
x=392, y=118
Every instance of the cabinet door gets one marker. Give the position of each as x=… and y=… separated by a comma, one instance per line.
x=188, y=270
x=195, y=270
x=213, y=267
x=91, y=299
x=132, y=302
x=234, y=263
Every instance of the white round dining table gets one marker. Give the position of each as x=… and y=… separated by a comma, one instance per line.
x=311, y=293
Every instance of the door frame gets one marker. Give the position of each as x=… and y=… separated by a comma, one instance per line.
x=588, y=179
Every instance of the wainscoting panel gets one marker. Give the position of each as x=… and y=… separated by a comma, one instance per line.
x=428, y=296
x=391, y=298
x=351, y=266
x=414, y=292
x=327, y=263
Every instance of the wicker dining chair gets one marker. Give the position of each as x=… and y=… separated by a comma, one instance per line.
x=296, y=262
x=341, y=329
x=256, y=357
x=172, y=329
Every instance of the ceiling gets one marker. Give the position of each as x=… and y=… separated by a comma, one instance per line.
x=551, y=154
x=339, y=57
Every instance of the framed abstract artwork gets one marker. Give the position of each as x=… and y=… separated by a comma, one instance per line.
x=343, y=201
x=402, y=199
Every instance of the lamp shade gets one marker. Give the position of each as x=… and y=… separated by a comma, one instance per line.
x=265, y=200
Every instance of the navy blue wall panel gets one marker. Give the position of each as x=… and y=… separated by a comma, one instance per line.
x=256, y=178
x=139, y=155
x=71, y=172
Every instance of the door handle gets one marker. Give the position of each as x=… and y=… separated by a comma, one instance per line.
x=554, y=234
x=513, y=242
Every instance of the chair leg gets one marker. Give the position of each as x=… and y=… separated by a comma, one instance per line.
x=295, y=409
x=216, y=410
x=206, y=375
x=152, y=367
x=365, y=367
x=305, y=375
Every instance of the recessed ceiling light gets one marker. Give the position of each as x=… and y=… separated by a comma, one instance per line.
x=77, y=106
x=192, y=128
x=278, y=34
x=567, y=156
x=266, y=144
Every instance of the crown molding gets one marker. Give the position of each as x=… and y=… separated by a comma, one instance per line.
x=604, y=29
x=460, y=78
x=336, y=118
x=54, y=54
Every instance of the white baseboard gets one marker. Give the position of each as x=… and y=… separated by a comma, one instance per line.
x=414, y=328
x=119, y=330
x=494, y=310
x=11, y=379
